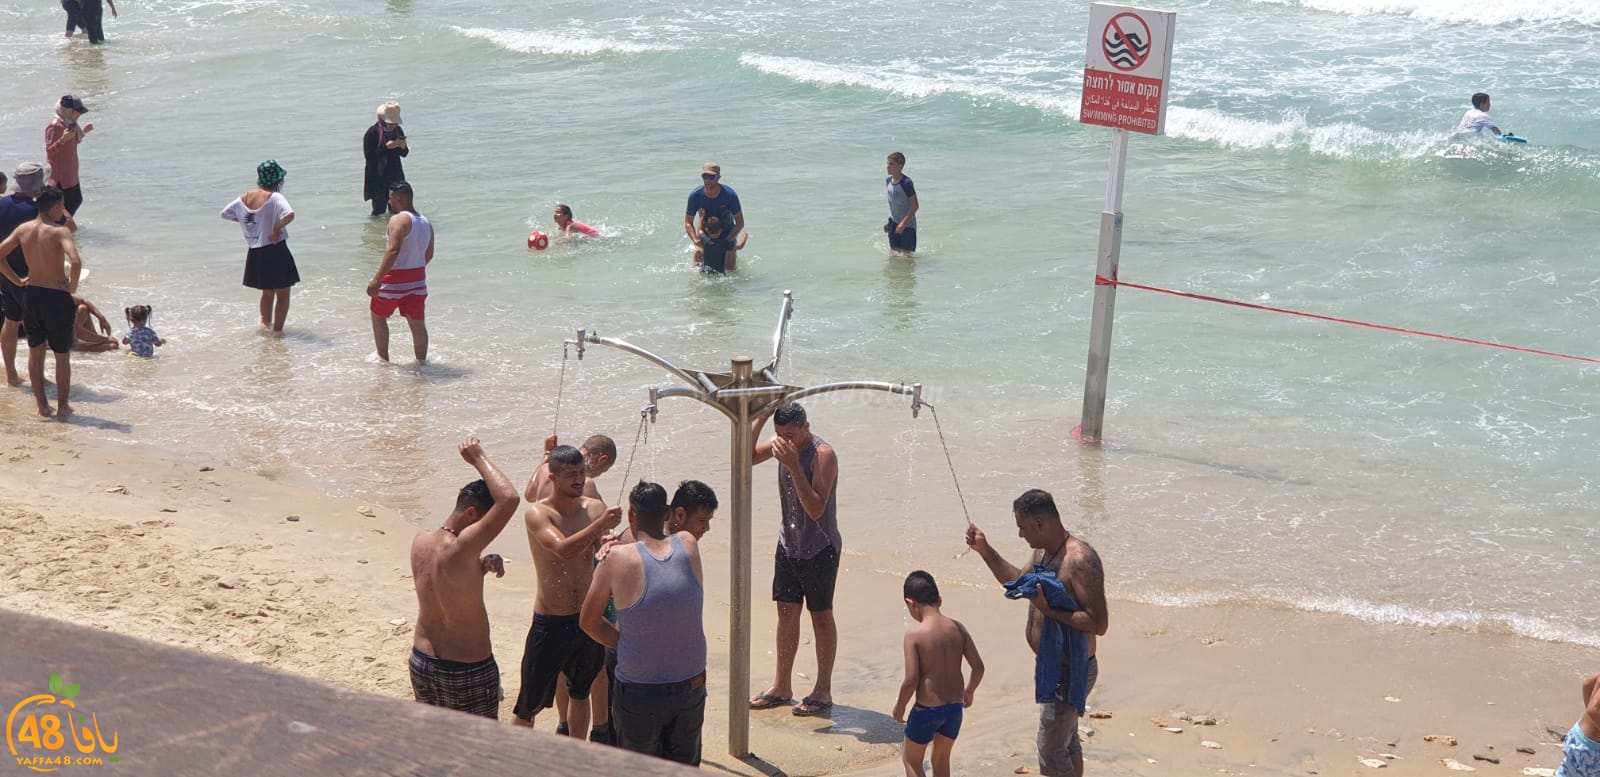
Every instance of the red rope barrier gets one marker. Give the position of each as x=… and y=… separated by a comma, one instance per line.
x=1101, y=280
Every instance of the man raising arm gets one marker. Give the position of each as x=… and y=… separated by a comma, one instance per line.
x=452, y=661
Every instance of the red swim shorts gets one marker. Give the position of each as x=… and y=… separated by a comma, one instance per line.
x=410, y=306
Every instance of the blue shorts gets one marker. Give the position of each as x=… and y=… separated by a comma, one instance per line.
x=1580, y=755
x=924, y=722
x=902, y=241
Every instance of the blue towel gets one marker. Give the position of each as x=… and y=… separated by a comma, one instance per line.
x=1056, y=641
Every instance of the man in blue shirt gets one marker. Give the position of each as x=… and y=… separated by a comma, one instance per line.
x=16, y=210
x=713, y=199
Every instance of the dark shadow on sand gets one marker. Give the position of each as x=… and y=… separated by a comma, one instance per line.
x=867, y=726
x=79, y=419
x=753, y=761
x=84, y=394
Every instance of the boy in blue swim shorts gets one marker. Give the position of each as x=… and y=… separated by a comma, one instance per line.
x=1581, y=750
x=934, y=648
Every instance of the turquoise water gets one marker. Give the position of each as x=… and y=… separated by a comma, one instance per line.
x=1250, y=457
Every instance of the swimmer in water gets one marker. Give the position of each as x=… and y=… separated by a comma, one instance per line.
x=1477, y=119
x=569, y=228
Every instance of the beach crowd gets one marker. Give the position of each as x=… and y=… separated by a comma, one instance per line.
x=616, y=643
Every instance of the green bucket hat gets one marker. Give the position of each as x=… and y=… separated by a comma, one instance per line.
x=269, y=173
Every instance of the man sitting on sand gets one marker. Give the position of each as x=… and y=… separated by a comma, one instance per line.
x=934, y=650
x=563, y=531
x=49, y=314
x=91, y=330
x=452, y=661
x=1581, y=751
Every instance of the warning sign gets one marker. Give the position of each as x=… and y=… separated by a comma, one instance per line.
x=1127, y=67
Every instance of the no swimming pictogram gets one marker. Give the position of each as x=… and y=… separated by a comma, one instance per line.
x=1126, y=41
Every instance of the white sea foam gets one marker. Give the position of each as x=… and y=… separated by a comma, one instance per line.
x=1486, y=12
x=558, y=44
x=1532, y=627
x=1290, y=131
x=905, y=84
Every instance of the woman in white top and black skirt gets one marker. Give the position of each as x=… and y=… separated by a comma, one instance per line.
x=263, y=215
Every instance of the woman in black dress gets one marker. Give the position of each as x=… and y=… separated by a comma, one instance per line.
x=384, y=146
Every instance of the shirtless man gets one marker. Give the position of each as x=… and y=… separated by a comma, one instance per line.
x=1581, y=750
x=599, y=453
x=452, y=662
x=563, y=531
x=1078, y=567
x=934, y=650
x=49, y=313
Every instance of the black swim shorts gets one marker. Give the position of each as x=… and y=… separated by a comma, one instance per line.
x=556, y=645
x=472, y=688
x=49, y=316
x=805, y=579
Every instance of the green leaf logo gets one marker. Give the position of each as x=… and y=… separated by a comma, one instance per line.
x=70, y=690
x=55, y=683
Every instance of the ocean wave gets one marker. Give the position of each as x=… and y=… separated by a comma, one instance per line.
x=1290, y=131
x=1484, y=12
x=903, y=84
x=1509, y=624
x=558, y=44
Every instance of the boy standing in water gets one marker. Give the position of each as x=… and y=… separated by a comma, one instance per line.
x=1581, y=751
x=934, y=650
x=903, y=205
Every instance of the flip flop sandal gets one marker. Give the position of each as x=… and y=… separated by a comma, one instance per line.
x=767, y=701
x=810, y=708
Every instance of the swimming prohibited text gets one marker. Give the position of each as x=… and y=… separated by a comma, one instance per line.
x=1127, y=65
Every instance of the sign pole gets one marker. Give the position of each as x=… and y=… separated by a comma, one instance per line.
x=1126, y=73
x=1105, y=294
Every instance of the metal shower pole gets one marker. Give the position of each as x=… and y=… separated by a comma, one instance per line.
x=743, y=395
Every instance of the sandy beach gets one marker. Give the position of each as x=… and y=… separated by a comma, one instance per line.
x=177, y=552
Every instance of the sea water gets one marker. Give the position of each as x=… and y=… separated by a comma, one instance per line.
x=1249, y=457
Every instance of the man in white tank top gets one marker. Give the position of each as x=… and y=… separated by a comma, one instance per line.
x=401, y=282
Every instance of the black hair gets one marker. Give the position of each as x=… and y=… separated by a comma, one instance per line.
x=693, y=496
x=789, y=415
x=897, y=158
x=564, y=210
x=474, y=494
x=921, y=589
x=1036, y=503
x=713, y=225
x=48, y=199
x=649, y=503
x=565, y=456
x=1479, y=99
x=403, y=188
x=138, y=315
x=3, y=183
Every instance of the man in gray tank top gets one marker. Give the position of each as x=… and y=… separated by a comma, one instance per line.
x=806, y=564
x=659, y=704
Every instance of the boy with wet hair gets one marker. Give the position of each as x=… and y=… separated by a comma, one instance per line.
x=934, y=649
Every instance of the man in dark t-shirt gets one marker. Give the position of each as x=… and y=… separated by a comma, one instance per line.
x=712, y=199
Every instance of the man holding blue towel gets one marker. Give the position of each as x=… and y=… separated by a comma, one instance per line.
x=1067, y=587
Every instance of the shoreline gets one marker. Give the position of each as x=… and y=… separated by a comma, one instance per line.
x=328, y=597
